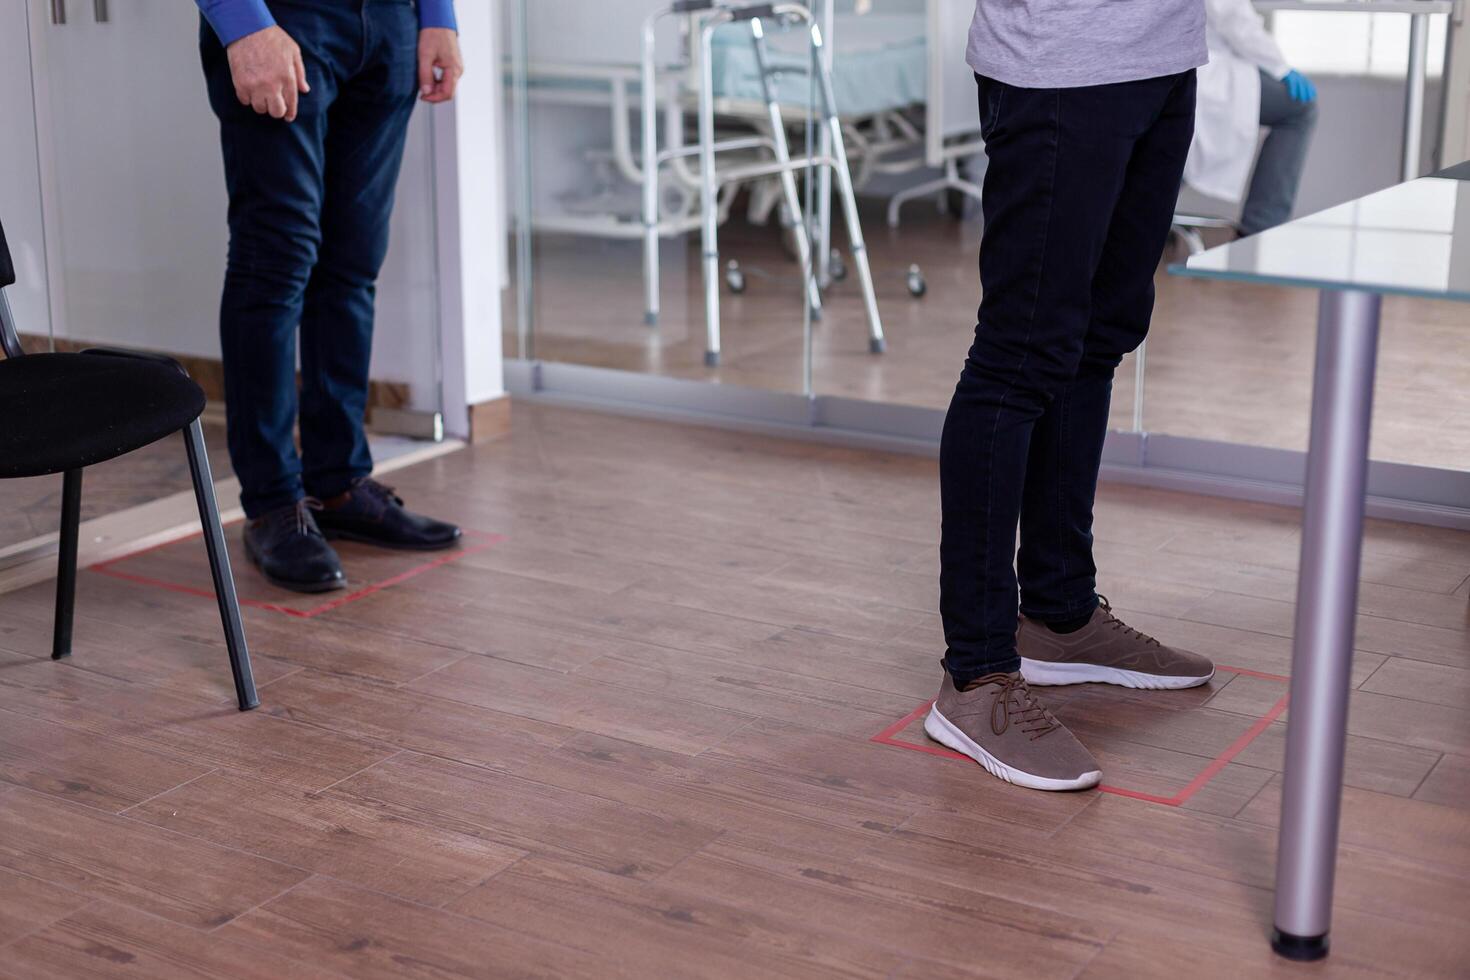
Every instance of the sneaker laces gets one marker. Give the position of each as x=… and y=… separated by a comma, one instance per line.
x=1113, y=622
x=1015, y=701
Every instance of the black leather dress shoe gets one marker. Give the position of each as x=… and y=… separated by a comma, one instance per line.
x=373, y=514
x=288, y=548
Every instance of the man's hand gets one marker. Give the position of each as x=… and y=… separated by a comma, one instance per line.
x=439, y=64
x=268, y=72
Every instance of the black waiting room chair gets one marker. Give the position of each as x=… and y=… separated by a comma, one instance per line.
x=60, y=413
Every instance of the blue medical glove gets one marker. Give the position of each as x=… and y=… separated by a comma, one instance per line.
x=1300, y=87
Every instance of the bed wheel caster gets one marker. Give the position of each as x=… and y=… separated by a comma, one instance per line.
x=711, y=358
x=734, y=278
x=917, y=286
x=877, y=345
x=836, y=268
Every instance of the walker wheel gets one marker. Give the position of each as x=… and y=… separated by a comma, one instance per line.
x=837, y=268
x=917, y=286
x=734, y=278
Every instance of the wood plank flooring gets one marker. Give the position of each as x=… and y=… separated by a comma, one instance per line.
x=634, y=739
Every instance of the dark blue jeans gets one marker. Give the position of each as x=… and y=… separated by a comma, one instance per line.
x=1078, y=200
x=308, y=216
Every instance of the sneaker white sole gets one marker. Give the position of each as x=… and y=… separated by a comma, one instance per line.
x=1043, y=673
x=945, y=733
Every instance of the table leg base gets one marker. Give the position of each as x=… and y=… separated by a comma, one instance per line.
x=1304, y=948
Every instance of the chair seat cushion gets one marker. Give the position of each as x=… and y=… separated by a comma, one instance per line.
x=60, y=412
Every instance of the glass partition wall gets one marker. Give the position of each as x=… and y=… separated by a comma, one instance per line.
x=1235, y=365
x=589, y=286
x=580, y=295
x=1225, y=378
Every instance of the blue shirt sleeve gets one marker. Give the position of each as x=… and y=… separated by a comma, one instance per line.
x=437, y=13
x=233, y=19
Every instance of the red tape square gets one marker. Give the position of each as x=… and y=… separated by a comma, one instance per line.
x=887, y=737
x=472, y=542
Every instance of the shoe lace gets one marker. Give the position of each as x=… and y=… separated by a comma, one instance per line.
x=1114, y=623
x=377, y=491
x=300, y=516
x=1014, y=701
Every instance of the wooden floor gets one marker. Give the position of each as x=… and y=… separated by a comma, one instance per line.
x=634, y=738
x=1226, y=361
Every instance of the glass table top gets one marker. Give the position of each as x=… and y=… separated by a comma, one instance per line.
x=1412, y=239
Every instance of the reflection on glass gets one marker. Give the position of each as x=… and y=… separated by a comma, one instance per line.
x=573, y=78
x=131, y=251
x=907, y=110
x=1246, y=375
x=123, y=244
x=1413, y=239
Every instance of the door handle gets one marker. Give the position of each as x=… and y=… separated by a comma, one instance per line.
x=58, y=11
x=99, y=11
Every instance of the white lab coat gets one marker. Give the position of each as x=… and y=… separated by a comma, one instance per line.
x=1228, y=117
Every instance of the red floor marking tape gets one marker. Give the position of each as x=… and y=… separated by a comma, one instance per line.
x=1209, y=772
x=482, y=541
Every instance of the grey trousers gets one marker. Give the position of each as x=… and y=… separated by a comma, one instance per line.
x=1279, y=168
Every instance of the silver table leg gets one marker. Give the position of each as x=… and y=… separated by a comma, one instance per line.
x=1327, y=599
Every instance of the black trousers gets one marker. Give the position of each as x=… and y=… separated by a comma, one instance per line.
x=1079, y=196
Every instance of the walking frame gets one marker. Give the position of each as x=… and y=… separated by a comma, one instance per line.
x=783, y=167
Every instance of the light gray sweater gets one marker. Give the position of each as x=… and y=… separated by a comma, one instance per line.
x=1071, y=43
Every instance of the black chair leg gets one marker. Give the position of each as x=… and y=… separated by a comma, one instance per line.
x=219, y=567
x=66, y=565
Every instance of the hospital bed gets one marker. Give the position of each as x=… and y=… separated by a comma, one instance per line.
x=951, y=112
x=879, y=66
x=899, y=75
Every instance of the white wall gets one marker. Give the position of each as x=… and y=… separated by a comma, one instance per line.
x=136, y=199
x=1457, y=118
x=471, y=223
x=136, y=202
x=20, y=200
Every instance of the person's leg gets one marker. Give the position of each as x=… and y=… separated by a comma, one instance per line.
x=273, y=174
x=1278, y=171
x=1058, y=159
x=1055, y=563
x=367, y=127
x=1066, y=637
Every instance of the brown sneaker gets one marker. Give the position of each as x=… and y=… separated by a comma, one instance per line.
x=1106, y=651
x=998, y=723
